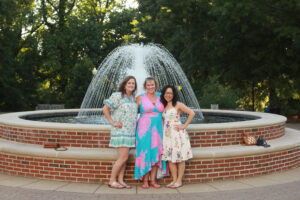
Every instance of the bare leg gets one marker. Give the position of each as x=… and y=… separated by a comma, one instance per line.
x=153, y=177
x=181, y=168
x=153, y=173
x=123, y=153
x=121, y=173
x=173, y=170
x=145, y=181
x=121, y=176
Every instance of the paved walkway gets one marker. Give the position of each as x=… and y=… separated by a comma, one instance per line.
x=278, y=186
x=293, y=125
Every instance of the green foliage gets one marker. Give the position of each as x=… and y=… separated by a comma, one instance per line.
x=183, y=27
x=238, y=54
x=19, y=57
x=215, y=93
x=80, y=78
x=255, y=46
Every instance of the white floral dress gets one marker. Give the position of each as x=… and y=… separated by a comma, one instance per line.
x=125, y=111
x=176, y=144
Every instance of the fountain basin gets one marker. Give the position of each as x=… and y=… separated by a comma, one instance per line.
x=22, y=153
x=94, y=165
x=14, y=128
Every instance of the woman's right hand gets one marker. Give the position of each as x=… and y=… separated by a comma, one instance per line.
x=117, y=124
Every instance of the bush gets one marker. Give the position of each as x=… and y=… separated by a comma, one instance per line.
x=79, y=82
x=215, y=93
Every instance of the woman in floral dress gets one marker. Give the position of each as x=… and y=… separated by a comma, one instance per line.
x=149, y=137
x=176, y=142
x=123, y=125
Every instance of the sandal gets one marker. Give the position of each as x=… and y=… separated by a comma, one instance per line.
x=176, y=185
x=154, y=185
x=170, y=185
x=125, y=185
x=115, y=185
x=145, y=185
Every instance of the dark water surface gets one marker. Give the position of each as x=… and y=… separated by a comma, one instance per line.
x=71, y=117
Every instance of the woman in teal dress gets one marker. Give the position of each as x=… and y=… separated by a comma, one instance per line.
x=149, y=137
x=123, y=125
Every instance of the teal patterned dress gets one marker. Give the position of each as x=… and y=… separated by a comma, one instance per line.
x=149, y=138
x=125, y=111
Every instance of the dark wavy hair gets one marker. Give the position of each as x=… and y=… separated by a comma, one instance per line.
x=123, y=84
x=175, y=95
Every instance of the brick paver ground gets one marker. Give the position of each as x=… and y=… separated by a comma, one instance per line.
x=289, y=191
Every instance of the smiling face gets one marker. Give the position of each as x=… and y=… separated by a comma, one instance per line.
x=130, y=85
x=150, y=87
x=169, y=95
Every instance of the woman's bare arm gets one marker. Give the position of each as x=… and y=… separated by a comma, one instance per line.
x=106, y=110
x=181, y=107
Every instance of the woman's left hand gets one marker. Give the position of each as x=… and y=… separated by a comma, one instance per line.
x=179, y=127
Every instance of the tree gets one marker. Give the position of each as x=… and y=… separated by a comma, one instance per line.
x=78, y=33
x=19, y=74
x=184, y=28
x=256, y=47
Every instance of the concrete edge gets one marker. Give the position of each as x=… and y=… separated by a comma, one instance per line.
x=289, y=141
x=266, y=119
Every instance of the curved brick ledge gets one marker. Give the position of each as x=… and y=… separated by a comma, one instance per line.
x=13, y=128
x=94, y=165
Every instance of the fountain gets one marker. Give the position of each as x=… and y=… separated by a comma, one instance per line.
x=140, y=61
x=218, y=148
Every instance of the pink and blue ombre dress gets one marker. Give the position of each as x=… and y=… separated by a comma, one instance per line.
x=149, y=137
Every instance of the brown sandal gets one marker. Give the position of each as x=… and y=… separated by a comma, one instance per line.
x=116, y=185
x=126, y=186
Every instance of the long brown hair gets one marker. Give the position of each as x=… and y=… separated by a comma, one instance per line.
x=123, y=84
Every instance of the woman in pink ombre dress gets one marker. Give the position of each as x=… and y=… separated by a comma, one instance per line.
x=149, y=137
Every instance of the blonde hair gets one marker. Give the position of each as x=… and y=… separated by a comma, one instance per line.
x=151, y=79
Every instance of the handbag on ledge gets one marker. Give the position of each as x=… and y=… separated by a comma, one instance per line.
x=55, y=146
x=262, y=142
x=249, y=139
x=51, y=145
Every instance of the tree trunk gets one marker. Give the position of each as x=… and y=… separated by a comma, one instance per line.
x=253, y=96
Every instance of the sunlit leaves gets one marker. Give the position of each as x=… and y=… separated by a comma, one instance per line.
x=134, y=22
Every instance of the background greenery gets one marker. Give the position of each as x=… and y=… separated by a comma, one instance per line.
x=241, y=55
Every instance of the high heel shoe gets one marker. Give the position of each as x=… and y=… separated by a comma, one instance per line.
x=154, y=185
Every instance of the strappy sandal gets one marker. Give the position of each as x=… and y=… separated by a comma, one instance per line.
x=154, y=185
x=116, y=185
x=176, y=185
x=170, y=185
x=125, y=185
x=145, y=185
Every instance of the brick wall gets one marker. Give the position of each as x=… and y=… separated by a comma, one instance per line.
x=101, y=140
x=197, y=170
x=234, y=136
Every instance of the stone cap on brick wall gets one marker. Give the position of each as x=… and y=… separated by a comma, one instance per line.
x=265, y=119
x=289, y=141
x=49, y=106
